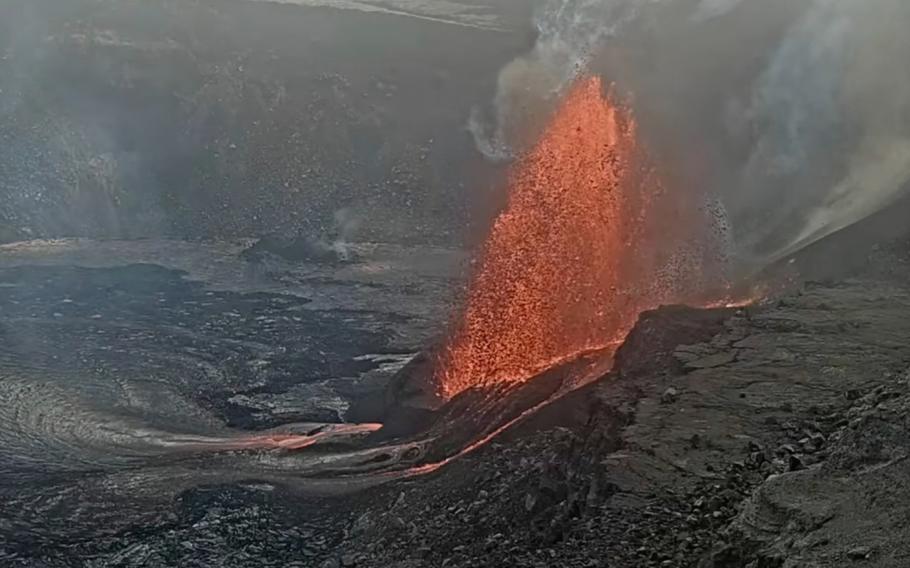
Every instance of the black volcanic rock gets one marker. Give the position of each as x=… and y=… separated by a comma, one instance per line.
x=610, y=474
x=300, y=249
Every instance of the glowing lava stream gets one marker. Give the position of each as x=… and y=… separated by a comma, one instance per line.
x=282, y=440
x=592, y=372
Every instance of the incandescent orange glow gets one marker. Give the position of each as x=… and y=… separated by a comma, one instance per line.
x=587, y=240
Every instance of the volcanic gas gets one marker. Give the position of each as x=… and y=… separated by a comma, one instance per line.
x=589, y=238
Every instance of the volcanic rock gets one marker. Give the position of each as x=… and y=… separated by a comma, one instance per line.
x=609, y=471
x=859, y=553
x=711, y=361
x=299, y=249
x=669, y=396
x=660, y=499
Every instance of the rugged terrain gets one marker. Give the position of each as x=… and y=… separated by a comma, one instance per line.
x=226, y=118
x=137, y=376
x=773, y=435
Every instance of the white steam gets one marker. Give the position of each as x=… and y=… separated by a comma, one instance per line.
x=831, y=112
x=816, y=94
x=569, y=34
x=708, y=9
x=347, y=223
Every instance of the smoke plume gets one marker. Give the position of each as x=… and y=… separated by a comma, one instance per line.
x=792, y=115
x=347, y=223
x=830, y=111
x=569, y=34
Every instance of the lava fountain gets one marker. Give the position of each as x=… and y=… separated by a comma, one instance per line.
x=588, y=239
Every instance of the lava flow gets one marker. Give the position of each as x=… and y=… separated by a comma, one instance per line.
x=587, y=240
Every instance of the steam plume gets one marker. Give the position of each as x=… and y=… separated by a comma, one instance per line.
x=708, y=9
x=570, y=33
x=831, y=112
x=815, y=98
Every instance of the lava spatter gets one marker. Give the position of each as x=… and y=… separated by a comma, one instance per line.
x=587, y=240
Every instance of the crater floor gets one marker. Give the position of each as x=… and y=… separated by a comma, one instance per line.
x=774, y=435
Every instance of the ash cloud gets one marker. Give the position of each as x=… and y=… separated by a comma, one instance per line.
x=793, y=114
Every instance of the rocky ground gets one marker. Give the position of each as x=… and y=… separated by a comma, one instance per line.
x=768, y=436
x=775, y=436
x=257, y=342
x=115, y=353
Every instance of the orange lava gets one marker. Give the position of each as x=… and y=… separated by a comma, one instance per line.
x=588, y=239
x=280, y=440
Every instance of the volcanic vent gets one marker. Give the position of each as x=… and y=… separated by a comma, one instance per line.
x=589, y=238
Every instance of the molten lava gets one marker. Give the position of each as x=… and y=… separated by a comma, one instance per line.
x=587, y=240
